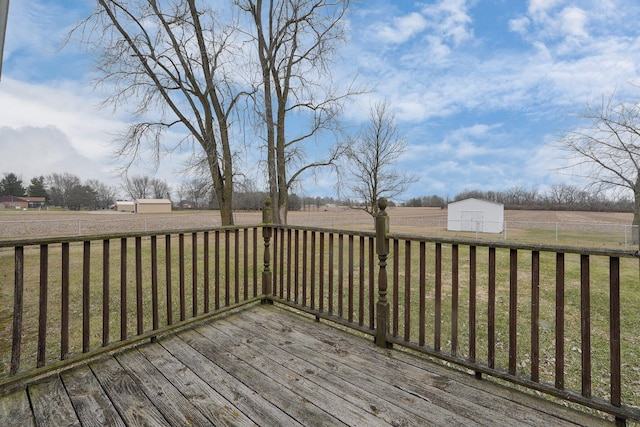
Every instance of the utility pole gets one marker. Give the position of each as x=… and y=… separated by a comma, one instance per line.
x=4, y=13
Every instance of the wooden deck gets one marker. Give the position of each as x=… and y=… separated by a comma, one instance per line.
x=270, y=367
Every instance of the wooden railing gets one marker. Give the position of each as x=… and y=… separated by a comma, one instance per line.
x=77, y=297
x=548, y=318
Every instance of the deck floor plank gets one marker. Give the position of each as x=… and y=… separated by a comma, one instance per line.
x=165, y=397
x=359, y=363
x=127, y=397
x=51, y=404
x=201, y=395
x=307, y=391
x=91, y=403
x=268, y=366
x=388, y=403
x=405, y=369
x=283, y=397
x=15, y=409
x=248, y=401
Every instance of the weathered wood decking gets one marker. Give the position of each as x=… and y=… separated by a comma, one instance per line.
x=267, y=366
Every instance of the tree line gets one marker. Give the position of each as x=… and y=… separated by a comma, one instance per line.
x=68, y=191
x=557, y=197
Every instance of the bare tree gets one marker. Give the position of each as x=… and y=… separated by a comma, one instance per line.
x=562, y=194
x=160, y=189
x=60, y=187
x=138, y=187
x=296, y=41
x=195, y=191
x=105, y=195
x=372, y=160
x=173, y=62
x=607, y=151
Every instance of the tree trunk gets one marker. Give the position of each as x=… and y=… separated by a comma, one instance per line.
x=226, y=214
x=281, y=157
x=636, y=217
x=265, y=52
x=222, y=186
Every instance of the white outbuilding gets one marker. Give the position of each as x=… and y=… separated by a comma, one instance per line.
x=153, y=206
x=125, y=206
x=475, y=215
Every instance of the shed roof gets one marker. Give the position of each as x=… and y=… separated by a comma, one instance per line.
x=153, y=201
x=477, y=200
x=13, y=199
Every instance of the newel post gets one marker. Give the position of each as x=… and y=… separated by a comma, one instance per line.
x=266, y=235
x=382, y=249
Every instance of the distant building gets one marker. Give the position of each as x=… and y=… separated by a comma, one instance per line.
x=23, y=202
x=153, y=206
x=475, y=215
x=125, y=206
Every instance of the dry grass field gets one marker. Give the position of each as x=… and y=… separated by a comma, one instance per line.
x=562, y=227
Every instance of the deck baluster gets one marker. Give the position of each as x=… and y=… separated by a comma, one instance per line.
x=194, y=274
x=18, y=306
x=455, y=297
x=42, y=317
x=361, y=283
x=585, y=324
x=396, y=288
x=423, y=294
x=106, y=268
x=86, y=296
x=64, y=303
x=559, y=340
x=206, y=271
x=472, y=305
x=371, y=281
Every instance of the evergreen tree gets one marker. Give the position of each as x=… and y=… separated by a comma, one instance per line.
x=11, y=185
x=37, y=188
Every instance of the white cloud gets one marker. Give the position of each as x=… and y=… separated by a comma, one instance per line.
x=36, y=31
x=403, y=28
x=34, y=151
x=537, y=7
x=59, y=128
x=520, y=25
x=573, y=21
x=68, y=107
x=450, y=19
x=445, y=24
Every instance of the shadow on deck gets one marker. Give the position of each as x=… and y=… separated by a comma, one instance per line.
x=269, y=366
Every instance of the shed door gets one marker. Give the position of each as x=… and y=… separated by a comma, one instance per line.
x=471, y=221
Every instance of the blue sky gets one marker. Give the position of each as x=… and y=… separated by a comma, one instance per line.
x=482, y=90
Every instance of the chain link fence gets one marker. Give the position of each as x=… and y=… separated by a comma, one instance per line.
x=83, y=226
x=564, y=233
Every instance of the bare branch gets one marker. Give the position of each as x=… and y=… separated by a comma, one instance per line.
x=372, y=160
x=607, y=152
